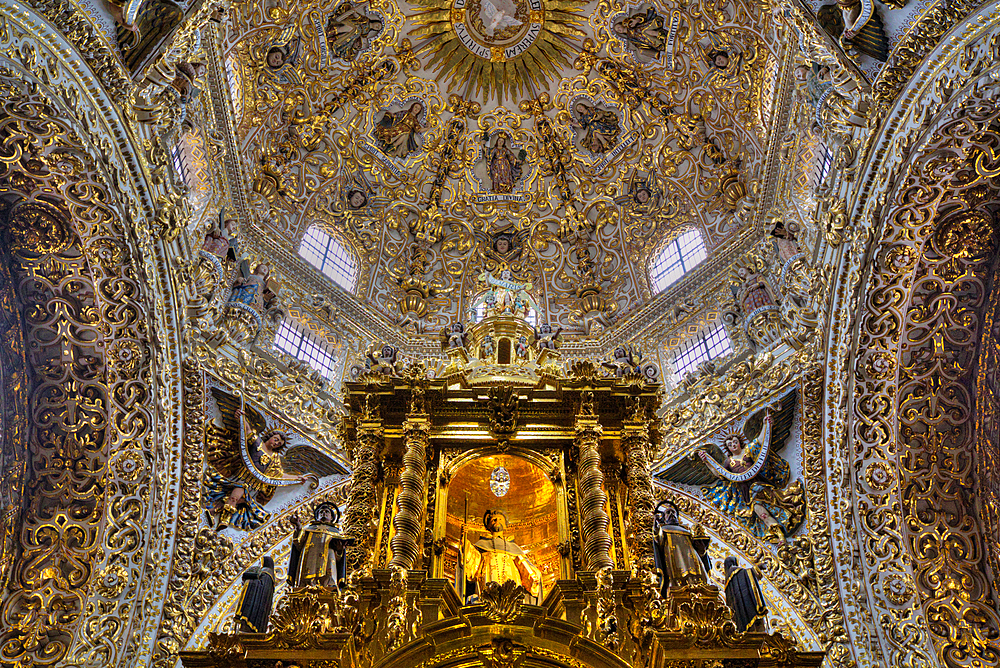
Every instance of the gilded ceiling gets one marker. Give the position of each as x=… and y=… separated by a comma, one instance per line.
x=582, y=134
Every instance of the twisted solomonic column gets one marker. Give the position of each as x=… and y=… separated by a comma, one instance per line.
x=596, y=540
x=635, y=443
x=408, y=521
x=362, y=497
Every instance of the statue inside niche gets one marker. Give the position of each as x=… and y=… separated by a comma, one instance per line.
x=494, y=558
x=487, y=349
x=251, y=461
x=546, y=338
x=254, y=606
x=753, y=292
x=503, y=166
x=676, y=560
x=221, y=238
x=744, y=597
x=785, y=239
x=319, y=551
x=257, y=289
x=521, y=349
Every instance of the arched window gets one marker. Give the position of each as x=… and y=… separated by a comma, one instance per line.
x=676, y=259
x=295, y=339
x=330, y=257
x=705, y=346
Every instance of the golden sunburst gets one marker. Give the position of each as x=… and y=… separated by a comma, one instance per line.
x=506, y=48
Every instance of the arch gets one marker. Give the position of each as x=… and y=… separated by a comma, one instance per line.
x=907, y=367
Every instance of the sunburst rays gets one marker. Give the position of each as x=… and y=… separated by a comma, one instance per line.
x=497, y=72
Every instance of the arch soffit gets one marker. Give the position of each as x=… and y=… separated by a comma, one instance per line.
x=36, y=56
x=954, y=77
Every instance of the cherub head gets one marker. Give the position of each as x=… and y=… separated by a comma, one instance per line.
x=502, y=245
x=719, y=58
x=276, y=57
x=356, y=199
x=642, y=195
x=506, y=275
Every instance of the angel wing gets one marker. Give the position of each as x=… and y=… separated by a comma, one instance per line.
x=302, y=458
x=687, y=468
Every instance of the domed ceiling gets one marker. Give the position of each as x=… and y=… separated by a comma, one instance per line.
x=561, y=140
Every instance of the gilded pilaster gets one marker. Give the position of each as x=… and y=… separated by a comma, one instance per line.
x=362, y=498
x=597, y=541
x=635, y=443
x=408, y=522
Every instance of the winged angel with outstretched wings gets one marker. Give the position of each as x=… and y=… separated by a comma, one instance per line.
x=750, y=483
x=251, y=462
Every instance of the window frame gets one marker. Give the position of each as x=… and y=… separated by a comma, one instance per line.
x=329, y=262
x=706, y=348
x=686, y=248
x=308, y=346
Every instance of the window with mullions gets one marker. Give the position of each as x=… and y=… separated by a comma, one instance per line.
x=705, y=346
x=676, y=259
x=293, y=338
x=330, y=257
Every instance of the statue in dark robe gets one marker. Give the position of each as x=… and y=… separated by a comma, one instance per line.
x=676, y=560
x=254, y=606
x=744, y=596
x=319, y=551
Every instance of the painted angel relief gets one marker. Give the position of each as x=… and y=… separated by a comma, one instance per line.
x=650, y=33
x=349, y=31
x=747, y=478
x=252, y=461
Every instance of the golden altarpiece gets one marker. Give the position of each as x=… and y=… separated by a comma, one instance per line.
x=564, y=455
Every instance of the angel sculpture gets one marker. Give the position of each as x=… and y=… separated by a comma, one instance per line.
x=251, y=462
x=545, y=337
x=751, y=484
x=454, y=336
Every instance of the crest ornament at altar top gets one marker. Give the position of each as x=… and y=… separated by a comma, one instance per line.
x=503, y=601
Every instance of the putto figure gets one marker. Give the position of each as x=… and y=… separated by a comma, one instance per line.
x=546, y=338
x=454, y=336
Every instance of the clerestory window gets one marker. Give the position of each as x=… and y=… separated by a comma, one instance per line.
x=676, y=258
x=705, y=346
x=331, y=257
x=296, y=340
